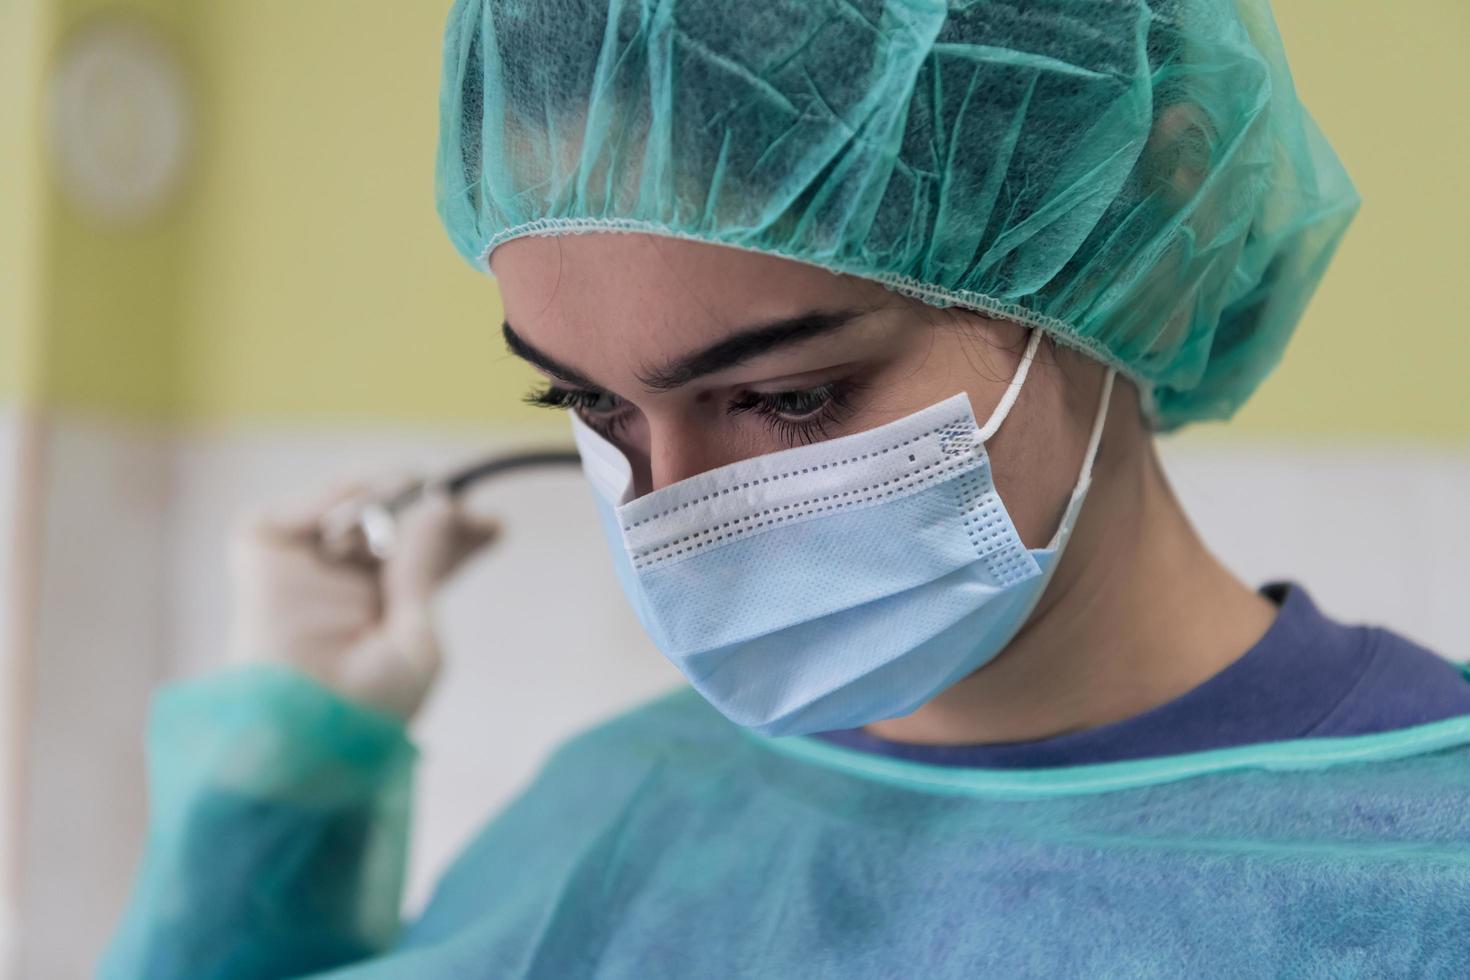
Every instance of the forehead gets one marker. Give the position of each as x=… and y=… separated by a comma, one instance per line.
x=553, y=283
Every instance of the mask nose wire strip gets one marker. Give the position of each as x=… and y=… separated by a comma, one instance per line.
x=1013, y=390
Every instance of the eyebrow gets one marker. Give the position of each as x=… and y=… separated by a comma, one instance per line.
x=526, y=352
x=738, y=348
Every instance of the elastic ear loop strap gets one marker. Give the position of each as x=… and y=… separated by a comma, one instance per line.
x=1094, y=439
x=1097, y=427
x=1013, y=390
x=1084, y=478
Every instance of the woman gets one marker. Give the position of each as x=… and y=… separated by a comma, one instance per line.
x=865, y=314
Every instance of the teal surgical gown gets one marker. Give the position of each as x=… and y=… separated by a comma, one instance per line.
x=669, y=843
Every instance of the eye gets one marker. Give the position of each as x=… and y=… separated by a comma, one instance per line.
x=602, y=410
x=801, y=416
x=799, y=406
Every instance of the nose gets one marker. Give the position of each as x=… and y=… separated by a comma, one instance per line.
x=676, y=454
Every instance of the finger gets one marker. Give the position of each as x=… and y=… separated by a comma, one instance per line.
x=480, y=525
x=422, y=540
x=475, y=531
x=434, y=538
x=393, y=667
x=262, y=554
x=298, y=518
x=472, y=536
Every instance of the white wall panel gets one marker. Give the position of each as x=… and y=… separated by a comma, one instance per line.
x=1377, y=534
x=98, y=653
x=10, y=449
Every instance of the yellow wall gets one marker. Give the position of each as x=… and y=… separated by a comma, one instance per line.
x=22, y=30
x=310, y=279
x=1385, y=346
x=322, y=285
x=92, y=319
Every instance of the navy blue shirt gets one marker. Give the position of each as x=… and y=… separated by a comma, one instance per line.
x=1307, y=677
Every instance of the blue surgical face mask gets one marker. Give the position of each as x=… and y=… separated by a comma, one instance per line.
x=838, y=584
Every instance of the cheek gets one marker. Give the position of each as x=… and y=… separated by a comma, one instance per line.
x=1035, y=458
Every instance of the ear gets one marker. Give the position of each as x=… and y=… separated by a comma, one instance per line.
x=1179, y=150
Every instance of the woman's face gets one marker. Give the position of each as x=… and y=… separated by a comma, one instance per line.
x=690, y=356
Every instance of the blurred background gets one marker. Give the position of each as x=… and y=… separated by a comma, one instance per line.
x=222, y=282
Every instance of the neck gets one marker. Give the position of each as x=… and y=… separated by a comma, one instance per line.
x=1138, y=613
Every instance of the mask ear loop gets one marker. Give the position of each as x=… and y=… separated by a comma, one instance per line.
x=1084, y=477
x=1095, y=439
x=1013, y=390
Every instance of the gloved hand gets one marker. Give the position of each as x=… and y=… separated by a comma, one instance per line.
x=361, y=627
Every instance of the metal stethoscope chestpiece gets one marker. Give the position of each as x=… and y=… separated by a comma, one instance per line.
x=366, y=529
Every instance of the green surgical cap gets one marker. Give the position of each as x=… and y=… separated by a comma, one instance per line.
x=1135, y=177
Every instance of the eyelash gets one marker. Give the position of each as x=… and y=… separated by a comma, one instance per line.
x=581, y=402
x=816, y=407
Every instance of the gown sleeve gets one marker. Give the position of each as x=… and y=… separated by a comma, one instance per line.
x=277, y=831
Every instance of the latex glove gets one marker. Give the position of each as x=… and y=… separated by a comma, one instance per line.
x=363, y=628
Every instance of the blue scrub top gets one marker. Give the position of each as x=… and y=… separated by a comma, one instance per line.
x=1307, y=677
